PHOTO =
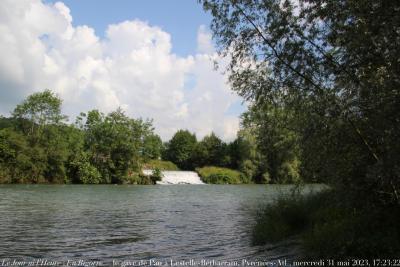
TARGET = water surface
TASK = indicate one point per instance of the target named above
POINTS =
(110, 222)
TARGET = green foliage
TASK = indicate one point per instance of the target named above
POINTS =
(37, 111)
(152, 147)
(180, 149)
(6, 122)
(218, 175)
(248, 168)
(246, 156)
(282, 219)
(56, 147)
(36, 147)
(326, 222)
(114, 143)
(289, 172)
(83, 172)
(242, 154)
(360, 233)
(332, 71)
(37, 123)
(15, 160)
(156, 175)
(209, 151)
(277, 140)
(288, 215)
(161, 165)
(143, 180)
(265, 178)
(36, 140)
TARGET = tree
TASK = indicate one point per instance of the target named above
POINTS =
(210, 151)
(215, 149)
(13, 159)
(277, 140)
(246, 156)
(82, 171)
(39, 119)
(334, 65)
(152, 147)
(115, 143)
(36, 146)
(38, 111)
(180, 149)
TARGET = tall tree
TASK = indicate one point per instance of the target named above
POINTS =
(277, 139)
(38, 111)
(152, 147)
(39, 118)
(334, 61)
(115, 143)
(210, 151)
(180, 149)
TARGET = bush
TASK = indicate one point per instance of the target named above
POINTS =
(287, 216)
(329, 226)
(248, 168)
(341, 232)
(139, 179)
(162, 165)
(84, 172)
(289, 172)
(156, 175)
(217, 175)
(265, 178)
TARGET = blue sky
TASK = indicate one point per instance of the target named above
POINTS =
(152, 58)
(180, 18)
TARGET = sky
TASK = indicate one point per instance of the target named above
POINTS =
(154, 59)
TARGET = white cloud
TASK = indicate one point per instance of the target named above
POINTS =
(132, 67)
(204, 44)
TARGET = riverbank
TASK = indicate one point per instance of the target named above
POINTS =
(330, 225)
(218, 175)
(153, 171)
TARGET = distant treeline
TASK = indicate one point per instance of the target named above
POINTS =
(38, 146)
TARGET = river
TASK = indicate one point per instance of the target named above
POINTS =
(127, 222)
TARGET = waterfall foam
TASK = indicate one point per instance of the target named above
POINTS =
(177, 177)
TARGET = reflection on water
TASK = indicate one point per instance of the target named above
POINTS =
(110, 222)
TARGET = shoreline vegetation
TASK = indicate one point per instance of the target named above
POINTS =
(37, 145)
(328, 224)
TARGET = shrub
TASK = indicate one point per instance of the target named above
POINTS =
(248, 168)
(83, 171)
(217, 175)
(285, 217)
(139, 179)
(329, 226)
(289, 172)
(265, 178)
(156, 175)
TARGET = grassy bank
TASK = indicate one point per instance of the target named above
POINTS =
(218, 175)
(161, 165)
(329, 225)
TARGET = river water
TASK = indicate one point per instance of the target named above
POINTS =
(126, 222)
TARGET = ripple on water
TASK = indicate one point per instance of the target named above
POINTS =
(141, 222)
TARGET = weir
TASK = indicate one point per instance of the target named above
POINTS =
(177, 177)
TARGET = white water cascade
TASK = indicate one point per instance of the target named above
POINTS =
(177, 177)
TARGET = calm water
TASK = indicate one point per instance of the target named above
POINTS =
(108, 222)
